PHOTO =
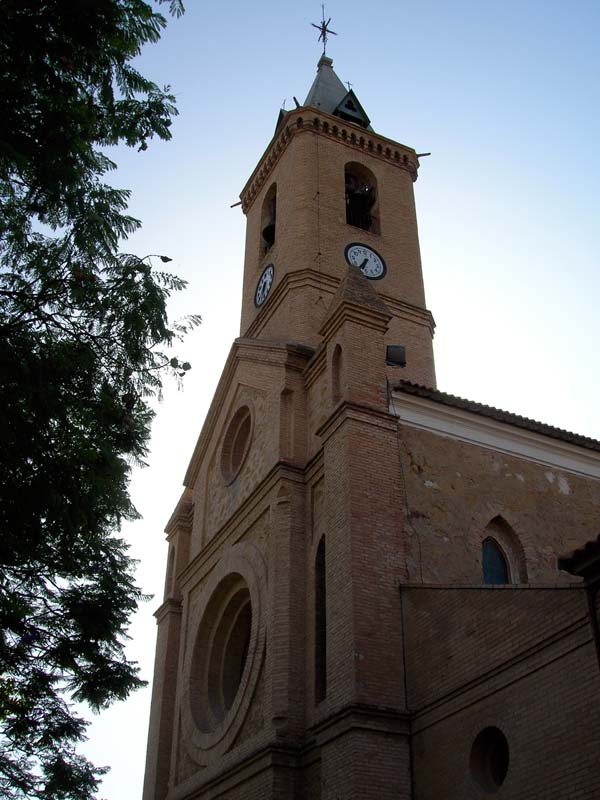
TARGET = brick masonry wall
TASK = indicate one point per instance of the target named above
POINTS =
(454, 490)
(455, 636)
(366, 765)
(551, 720)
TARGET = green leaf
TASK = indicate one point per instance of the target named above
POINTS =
(83, 331)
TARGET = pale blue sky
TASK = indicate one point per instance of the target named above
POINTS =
(504, 95)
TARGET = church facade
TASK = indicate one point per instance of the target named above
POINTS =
(364, 593)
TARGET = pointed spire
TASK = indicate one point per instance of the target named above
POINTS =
(329, 94)
(327, 91)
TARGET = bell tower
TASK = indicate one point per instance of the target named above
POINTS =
(328, 192)
(279, 663)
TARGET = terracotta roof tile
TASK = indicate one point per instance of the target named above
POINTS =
(497, 414)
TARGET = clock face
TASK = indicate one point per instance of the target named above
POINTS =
(369, 262)
(263, 287)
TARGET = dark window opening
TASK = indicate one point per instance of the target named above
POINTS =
(320, 625)
(269, 220)
(495, 568)
(490, 759)
(349, 117)
(350, 109)
(235, 656)
(361, 198)
(336, 376)
(236, 444)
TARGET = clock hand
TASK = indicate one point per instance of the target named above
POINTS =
(360, 266)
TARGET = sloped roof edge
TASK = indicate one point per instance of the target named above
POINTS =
(497, 414)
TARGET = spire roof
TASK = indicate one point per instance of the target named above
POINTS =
(327, 91)
(329, 94)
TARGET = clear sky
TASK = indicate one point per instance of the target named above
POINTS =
(505, 95)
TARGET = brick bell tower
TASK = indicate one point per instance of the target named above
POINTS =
(279, 666)
(327, 193)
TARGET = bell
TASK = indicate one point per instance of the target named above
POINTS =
(268, 234)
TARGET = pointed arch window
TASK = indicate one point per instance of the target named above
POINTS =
(495, 565)
(361, 197)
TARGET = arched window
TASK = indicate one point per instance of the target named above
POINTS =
(320, 624)
(269, 219)
(495, 566)
(361, 197)
(508, 552)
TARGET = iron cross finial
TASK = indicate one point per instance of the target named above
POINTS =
(324, 29)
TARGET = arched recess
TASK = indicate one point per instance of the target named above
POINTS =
(337, 374)
(361, 197)
(286, 426)
(500, 541)
(223, 665)
(320, 624)
(268, 220)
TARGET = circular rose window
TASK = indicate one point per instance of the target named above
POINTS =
(223, 666)
(220, 653)
(236, 443)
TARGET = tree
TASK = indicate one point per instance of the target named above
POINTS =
(83, 332)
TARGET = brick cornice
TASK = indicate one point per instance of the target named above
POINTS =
(369, 415)
(410, 312)
(327, 284)
(354, 312)
(182, 517)
(170, 606)
(363, 717)
(315, 121)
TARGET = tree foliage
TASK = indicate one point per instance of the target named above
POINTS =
(83, 335)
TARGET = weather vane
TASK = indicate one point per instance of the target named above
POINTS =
(323, 28)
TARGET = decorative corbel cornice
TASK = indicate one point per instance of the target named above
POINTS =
(311, 120)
